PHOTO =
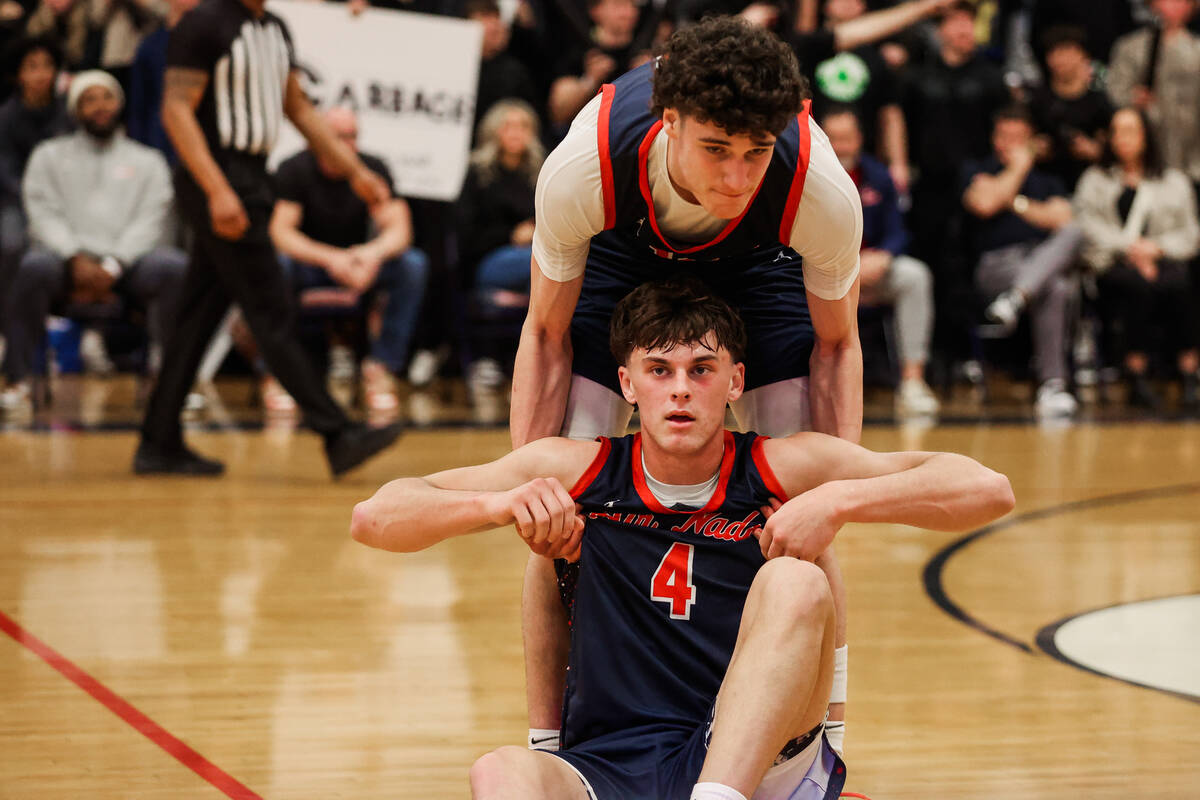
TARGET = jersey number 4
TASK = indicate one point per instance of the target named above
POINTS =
(672, 581)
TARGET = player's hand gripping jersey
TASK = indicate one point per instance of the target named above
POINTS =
(655, 618)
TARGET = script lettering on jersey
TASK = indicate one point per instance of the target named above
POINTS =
(711, 524)
(719, 527)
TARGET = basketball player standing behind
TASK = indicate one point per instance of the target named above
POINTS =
(704, 162)
(230, 80)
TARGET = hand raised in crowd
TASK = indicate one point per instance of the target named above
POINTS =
(597, 66)
(760, 15)
(369, 187)
(522, 234)
(90, 282)
(803, 528)
(1086, 147)
(545, 516)
(228, 215)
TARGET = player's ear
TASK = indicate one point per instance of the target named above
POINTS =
(626, 385)
(737, 382)
(671, 122)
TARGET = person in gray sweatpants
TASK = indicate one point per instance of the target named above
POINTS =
(1027, 243)
(98, 206)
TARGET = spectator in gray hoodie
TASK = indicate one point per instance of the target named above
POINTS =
(98, 206)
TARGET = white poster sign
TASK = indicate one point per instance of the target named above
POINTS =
(410, 77)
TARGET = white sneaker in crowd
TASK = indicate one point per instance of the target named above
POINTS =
(485, 375)
(1053, 399)
(17, 398)
(1006, 310)
(342, 366)
(94, 354)
(424, 366)
(914, 398)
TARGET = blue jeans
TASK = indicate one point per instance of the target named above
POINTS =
(403, 278)
(505, 267)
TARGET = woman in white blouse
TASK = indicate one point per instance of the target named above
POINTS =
(1141, 228)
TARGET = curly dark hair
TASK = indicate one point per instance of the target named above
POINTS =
(680, 310)
(725, 71)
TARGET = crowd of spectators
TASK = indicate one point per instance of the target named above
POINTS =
(1017, 160)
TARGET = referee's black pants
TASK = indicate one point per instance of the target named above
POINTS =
(245, 272)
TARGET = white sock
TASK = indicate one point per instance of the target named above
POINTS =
(543, 739)
(835, 732)
(716, 791)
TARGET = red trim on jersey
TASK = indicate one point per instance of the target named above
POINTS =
(585, 480)
(764, 469)
(644, 183)
(607, 92)
(804, 150)
(651, 502)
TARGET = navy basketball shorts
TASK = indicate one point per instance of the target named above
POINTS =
(664, 763)
(766, 287)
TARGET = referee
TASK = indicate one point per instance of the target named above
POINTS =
(230, 79)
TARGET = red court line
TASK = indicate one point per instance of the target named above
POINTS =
(121, 707)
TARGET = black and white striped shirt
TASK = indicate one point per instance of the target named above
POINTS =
(247, 60)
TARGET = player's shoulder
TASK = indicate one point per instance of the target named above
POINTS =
(795, 460)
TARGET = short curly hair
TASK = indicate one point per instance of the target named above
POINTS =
(725, 71)
(678, 310)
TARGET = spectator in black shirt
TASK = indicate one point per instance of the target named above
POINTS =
(222, 133)
(28, 118)
(1070, 113)
(501, 74)
(323, 232)
(1025, 242)
(612, 52)
(948, 103)
(860, 79)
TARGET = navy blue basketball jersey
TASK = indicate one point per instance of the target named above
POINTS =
(660, 592)
(626, 130)
(749, 263)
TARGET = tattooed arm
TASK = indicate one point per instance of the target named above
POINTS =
(183, 89)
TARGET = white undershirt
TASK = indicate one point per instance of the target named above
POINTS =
(570, 209)
(673, 496)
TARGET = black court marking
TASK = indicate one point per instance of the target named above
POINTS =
(1045, 641)
(932, 574)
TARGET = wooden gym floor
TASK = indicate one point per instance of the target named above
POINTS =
(172, 638)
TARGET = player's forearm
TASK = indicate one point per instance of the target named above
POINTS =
(945, 492)
(410, 514)
(835, 388)
(546, 638)
(187, 138)
(541, 382)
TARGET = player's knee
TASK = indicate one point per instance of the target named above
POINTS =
(493, 772)
(795, 590)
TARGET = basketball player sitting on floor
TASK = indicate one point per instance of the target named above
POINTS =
(701, 654)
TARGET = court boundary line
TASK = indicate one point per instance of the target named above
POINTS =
(1045, 641)
(934, 569)
(125, 710)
